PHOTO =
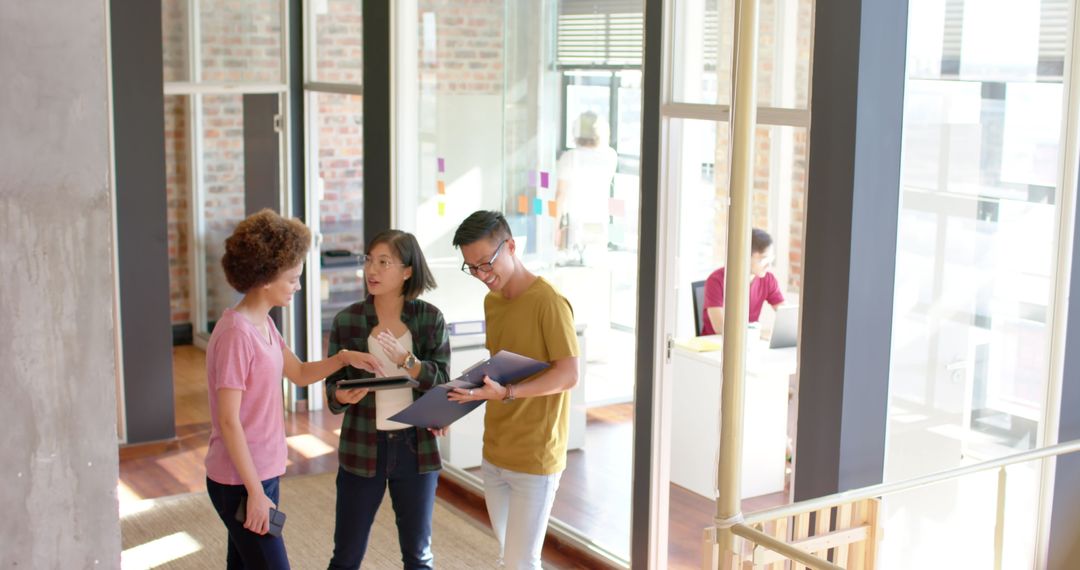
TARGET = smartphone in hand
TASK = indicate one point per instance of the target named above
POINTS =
(277, 518)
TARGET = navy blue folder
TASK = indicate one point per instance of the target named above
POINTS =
(435, 410)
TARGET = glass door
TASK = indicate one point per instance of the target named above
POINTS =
(695, 196)
(334, 151)
(539, 118)
(214, 53)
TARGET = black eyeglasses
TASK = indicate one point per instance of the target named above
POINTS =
(382, 263)
(485, 267)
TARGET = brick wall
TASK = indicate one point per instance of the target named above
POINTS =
(764, 138)
(468, 45)
(241, 43)
(179, 207)
(223, 187)
(241, 40)
(174, 39)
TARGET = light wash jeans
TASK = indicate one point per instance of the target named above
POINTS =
(519, 505)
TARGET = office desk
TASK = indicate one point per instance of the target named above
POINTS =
(463, 446)
(695, 422)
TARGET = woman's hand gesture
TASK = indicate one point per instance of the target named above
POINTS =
(363, 361)
(392, 346)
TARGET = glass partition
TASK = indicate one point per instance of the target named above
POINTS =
(515, 116)
(702, 47)
(240, 41)
(222, 136)
(338, 42)
(975, 270)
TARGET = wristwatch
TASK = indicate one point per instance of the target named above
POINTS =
(410, 361)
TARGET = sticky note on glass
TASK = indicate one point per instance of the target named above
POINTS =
(441, 186)
(543, 179)
(553, 208)
(442, 208)
(617, 207)
(532, 179)
(538, 207)
(523, 204)
(442, 165)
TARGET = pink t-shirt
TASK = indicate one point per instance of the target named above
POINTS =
(240, 357)
(762, 289)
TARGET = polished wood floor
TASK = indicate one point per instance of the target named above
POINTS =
(593, 496)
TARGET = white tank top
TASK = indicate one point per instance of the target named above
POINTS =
(390, 402)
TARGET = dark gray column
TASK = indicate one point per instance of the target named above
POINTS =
(141, 217)
(262, 154)
(642, 515)
(1064, 524)
(377, 109)
(262, 163)
(851, 223)
(297, 182)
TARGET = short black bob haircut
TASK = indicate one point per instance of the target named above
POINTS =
(482, 224)
(760, 240)
(405, 246)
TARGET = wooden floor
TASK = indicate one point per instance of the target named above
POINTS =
(593, 497)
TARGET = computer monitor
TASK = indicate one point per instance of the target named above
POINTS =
(785, 330)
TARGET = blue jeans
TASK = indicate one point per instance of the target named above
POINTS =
(411, 493)
(247, 550)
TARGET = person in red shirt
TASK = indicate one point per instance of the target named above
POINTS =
(763, 286)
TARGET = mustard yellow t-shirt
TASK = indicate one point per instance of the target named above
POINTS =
(529, 435)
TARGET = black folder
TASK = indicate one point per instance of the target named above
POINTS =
(435, 410)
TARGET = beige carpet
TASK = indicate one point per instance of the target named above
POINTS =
(153, 532)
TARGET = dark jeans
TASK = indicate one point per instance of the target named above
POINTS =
(411, 493)
(247, 550)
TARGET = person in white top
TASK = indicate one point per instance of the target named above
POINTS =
(584, 191)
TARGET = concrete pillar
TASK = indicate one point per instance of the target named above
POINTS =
(58, 339)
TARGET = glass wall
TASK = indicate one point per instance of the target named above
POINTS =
(975, 271)
(534, 109)
(696, 190)
(214, 52)
(334, 67)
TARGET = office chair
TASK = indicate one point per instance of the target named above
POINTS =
(698, 290)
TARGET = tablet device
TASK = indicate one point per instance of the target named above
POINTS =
(383, 383)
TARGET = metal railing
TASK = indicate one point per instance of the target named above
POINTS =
(755, 536)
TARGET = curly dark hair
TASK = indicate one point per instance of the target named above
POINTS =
(262, 246)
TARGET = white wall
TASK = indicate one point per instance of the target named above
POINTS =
(59, 465)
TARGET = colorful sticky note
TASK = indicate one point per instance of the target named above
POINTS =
(532, 179)
(442, 164)
(442, 208)
(543, 179)
(523, 204)
(553, 208)
(538, 206)
(441, 186)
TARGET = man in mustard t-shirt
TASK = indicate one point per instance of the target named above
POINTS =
(526, 427)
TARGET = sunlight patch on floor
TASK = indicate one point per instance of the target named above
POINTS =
(308, 445)
(158, 552)
(130, 501)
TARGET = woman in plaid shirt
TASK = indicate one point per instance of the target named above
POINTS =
(404, 334)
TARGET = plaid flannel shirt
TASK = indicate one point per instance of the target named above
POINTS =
(431, 345)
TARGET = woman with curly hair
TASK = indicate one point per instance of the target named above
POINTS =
(245, 360)
(377, 453)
